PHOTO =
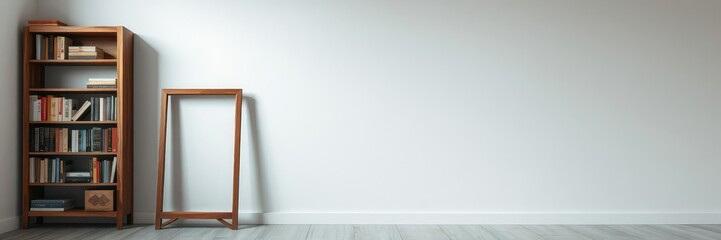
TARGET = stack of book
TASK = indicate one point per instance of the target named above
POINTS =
(78, 177)
(102, 83)
(53, 205)
(85, 52)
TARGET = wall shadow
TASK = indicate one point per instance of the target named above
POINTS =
(146, 119)
(256, 158)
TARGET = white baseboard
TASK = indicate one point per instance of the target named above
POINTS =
(9, 224)
(466, 218)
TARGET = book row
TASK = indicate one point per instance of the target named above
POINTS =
(56, 170)
(54, 108)
(51, 47)
(49, 139)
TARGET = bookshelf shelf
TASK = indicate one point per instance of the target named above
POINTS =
(74, 122)
(75, 212)
(96, 62)
(73, 184)
(73, 90)
(75, 31)
(45, 54)
(73, 153)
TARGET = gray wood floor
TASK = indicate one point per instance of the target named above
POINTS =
(375, 232)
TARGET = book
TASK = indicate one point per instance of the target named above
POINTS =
(77, 174)
(51, 203)
(50, 200)
(62, 44)
(113, 169)
(38, 46)
(81, 112)
(77, 179)
(52, 209)
(96, 79)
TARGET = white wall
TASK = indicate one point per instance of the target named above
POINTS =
(13, 15)
(557, 111)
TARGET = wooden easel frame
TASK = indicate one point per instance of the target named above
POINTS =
(174, 216)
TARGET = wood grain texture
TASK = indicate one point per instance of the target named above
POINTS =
(511, 232)
(556, 232)
(467, 232)
(376, 232)
(422, 232)
(161, 159)
(74, 62)
(601, 232)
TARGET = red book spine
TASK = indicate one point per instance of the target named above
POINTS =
(43, 108)
(115, 139)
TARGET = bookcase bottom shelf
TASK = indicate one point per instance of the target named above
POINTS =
(75, 212)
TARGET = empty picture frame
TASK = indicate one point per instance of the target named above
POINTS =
(175, 215)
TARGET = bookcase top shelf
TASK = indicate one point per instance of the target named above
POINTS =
(82, 31)
(73, 90)
(74, 122)
(93, 62)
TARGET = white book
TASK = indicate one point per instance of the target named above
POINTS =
(95, 79)
(33, 108)
(35, 115)
(102, 109)
(81, 111)
(66, 109)
(51, 209)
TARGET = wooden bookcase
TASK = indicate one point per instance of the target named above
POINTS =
(39, 78)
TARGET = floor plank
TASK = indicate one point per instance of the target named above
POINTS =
(645, 232)
(601, 232)
(688, 231)
(149, 232)
(556, 232)
(511, 232)
(422, 232)
(373, 232)
(330, 232)
(376, 232)
(467, 232)
(244, 232)
(709, 227)
(284, 232)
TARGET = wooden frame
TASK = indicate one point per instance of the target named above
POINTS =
(174, 216)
